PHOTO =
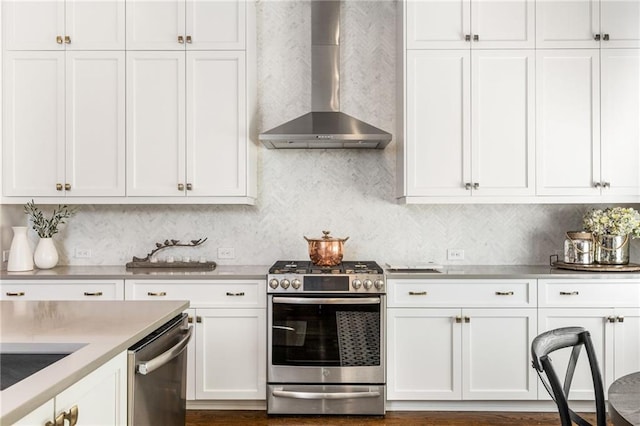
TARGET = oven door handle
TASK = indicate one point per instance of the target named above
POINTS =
(328, 300)
(147, 367)
(278, 392)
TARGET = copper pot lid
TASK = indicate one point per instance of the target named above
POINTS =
(326, 238)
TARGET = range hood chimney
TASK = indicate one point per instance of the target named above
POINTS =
(325, 126)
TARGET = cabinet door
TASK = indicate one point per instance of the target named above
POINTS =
(620, 109)
(567, 124)
(215, 25)
(231, 353)
(423, 354)
(216, 123)
(502, 117)
(95, 148)
(437, 24)
(33, 25)
(601, 330)
(620, 20)
(34, 119)
(97, 25)
(155, 123)
(567, 24)
(155, 24)
(627, 342)
(62, 290)
(101, 397)
(438, 123)
(502, 374)
(503, 24)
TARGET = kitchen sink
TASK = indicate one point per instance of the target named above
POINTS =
(20, 360)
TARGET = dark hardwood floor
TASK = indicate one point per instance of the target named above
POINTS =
(394, 418)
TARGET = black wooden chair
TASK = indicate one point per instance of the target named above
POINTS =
(575, 337)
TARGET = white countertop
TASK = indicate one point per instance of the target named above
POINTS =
(105, 330)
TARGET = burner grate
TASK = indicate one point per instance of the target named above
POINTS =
(358, 338)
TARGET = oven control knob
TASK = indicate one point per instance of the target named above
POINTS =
(379, 284)
(367, 284)
(356, 284)
(273, 283)
(285, 283)
(296, 283)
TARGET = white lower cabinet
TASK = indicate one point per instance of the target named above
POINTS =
(227, 356)
(99, 398)
(436, 352)
(610, 311)
(62, 290)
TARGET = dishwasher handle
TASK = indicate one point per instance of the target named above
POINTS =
(147, 367)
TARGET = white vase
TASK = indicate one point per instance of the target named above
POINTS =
(46, 255)
(21, 255)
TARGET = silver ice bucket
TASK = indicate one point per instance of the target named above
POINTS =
(579, 247)
(612, 249)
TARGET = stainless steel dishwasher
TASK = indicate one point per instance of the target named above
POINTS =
(157, 367)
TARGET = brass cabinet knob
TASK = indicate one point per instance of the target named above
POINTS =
(58, 187)
(605, 37)
(67, 187)
(180, 187)
(597, 184)
(467, 37)
(606, 184)
(476, 37)
(189, 187)
(458, 319)
(59, 421)
(188, 39)
(467, 186)
(611, 318)
(59, 39)
(476, 185)
(180, 39)
(67, 40)
(596, 37)
(620, 319)
(72, 416)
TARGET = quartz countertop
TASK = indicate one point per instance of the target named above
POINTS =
(509, 271)
(111, 272)
(105, 332)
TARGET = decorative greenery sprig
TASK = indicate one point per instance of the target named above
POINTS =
(613, 221)
(47, 228)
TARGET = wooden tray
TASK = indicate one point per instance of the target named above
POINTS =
(594, 267)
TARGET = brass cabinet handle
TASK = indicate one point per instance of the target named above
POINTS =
(72, 416)
(606, 184)
(58, 187)
(467, 320)
(59, 421)
(96, 293)
(611, 318)
(504, 293)
(190, 320)
(235, 294)
(188, 39)
(180, 39)
(605, 37)
(476, 185)
(417, 293)
(67, 40)
(596, 37)
(569, 293)
(198, 319)
(476, 37)
(180, 187)
(620, 319)
(67, 187)
(458, 319)
(160, 293)
(467, 37)
(189, 187)
(15, 293)
(59, 39)
(597, 184)
(467, 186)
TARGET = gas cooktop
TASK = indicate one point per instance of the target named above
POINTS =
(306, 267)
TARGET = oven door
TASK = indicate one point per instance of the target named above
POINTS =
(324, 339)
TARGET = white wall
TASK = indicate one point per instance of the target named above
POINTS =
(301, 193)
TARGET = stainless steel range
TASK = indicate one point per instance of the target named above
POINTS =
(326, 338)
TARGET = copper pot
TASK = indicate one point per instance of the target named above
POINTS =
(326, 251)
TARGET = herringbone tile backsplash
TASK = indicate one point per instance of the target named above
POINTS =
(304, 192)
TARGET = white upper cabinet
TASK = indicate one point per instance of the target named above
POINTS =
(190, 24)
(60, 25)
(469, 127)
(64, 124)
(567, 124)
(464, 24)
(587, 24)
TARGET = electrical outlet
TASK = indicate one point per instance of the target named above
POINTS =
(226, 253)
(455, 254)
(5, 255)
(83, 253)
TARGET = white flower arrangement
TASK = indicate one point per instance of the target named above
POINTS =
(613, 221)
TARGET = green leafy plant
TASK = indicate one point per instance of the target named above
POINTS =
(613, 221)
(47, 228)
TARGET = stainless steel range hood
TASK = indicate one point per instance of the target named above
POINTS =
(325, 126)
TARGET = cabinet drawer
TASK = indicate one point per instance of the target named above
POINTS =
(62, 290)
(581, 293)
(209, 293)
(462, 293)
